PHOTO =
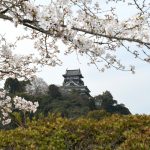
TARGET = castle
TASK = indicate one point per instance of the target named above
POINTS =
(73, 82)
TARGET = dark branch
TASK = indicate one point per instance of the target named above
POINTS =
(138, 6)
(34, 25)
(4, 11)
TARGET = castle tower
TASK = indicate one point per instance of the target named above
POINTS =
(73, 81)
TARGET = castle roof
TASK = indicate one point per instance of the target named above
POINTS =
(76, 72)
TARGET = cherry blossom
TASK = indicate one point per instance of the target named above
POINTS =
(37, 87)
(8, 105)
(83, 27)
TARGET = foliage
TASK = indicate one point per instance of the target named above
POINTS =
(72, 106)
(12, 86)
(54, 133)
(53, 91)
(106, 102)
(98, 114)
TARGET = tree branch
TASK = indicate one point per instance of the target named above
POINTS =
(138, 6)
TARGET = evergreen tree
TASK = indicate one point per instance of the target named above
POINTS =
(53, 91)
(107, 103)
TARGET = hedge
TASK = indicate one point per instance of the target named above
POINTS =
(115, 132)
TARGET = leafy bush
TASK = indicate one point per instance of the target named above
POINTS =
(56, 133)
(98, 114)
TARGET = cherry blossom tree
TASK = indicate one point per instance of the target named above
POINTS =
(82, 25)
(37, 87)
(8, 105)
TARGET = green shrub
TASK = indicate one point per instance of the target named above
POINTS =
(98, 114)
(55, 133)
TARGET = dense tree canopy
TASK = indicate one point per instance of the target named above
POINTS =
(54, 91)
(105, 101)
(84, 26)
(14, 85)
(73, 105)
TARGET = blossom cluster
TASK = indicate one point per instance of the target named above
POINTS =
(37, 86)
(5, 108)
(8, 105)
(14, 65)
(83, 26)
(24, 105)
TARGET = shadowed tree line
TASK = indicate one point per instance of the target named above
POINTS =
(72, 105)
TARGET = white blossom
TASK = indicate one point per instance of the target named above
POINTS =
(82, 25)
(8, 105)
(38, 86)
(24, 105)
(6, 121)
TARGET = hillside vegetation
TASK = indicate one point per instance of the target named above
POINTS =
(52, 100)
(73, 122)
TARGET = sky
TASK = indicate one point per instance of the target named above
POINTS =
(127, 88)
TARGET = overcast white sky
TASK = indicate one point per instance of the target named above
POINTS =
(132, 90)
